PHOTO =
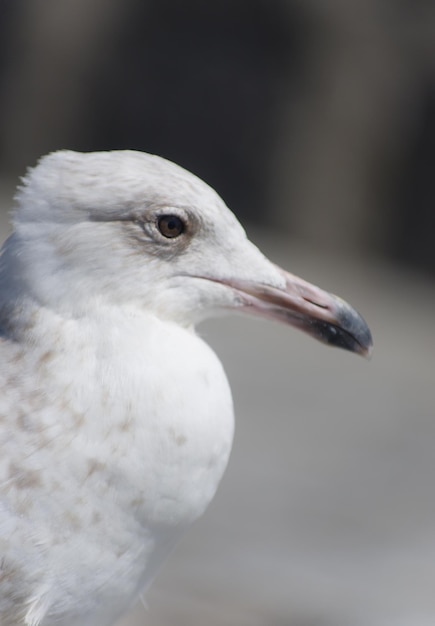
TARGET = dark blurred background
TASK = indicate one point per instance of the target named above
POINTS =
(314, 117)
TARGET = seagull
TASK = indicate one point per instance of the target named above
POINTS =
(116, 418)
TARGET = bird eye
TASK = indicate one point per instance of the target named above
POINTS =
(170, 226)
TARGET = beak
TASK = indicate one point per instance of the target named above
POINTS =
(322, 315)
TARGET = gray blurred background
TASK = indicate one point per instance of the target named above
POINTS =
(315, 121)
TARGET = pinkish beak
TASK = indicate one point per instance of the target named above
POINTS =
(322, 315)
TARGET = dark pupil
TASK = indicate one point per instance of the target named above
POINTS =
(170, 226)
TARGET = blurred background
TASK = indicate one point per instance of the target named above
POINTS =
(316, 123)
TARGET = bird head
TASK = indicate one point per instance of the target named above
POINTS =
(128, 228)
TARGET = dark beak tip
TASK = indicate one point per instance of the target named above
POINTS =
(366, 350)
(357, 334)
(349, 331)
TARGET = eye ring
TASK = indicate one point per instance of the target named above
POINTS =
(170, 226)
